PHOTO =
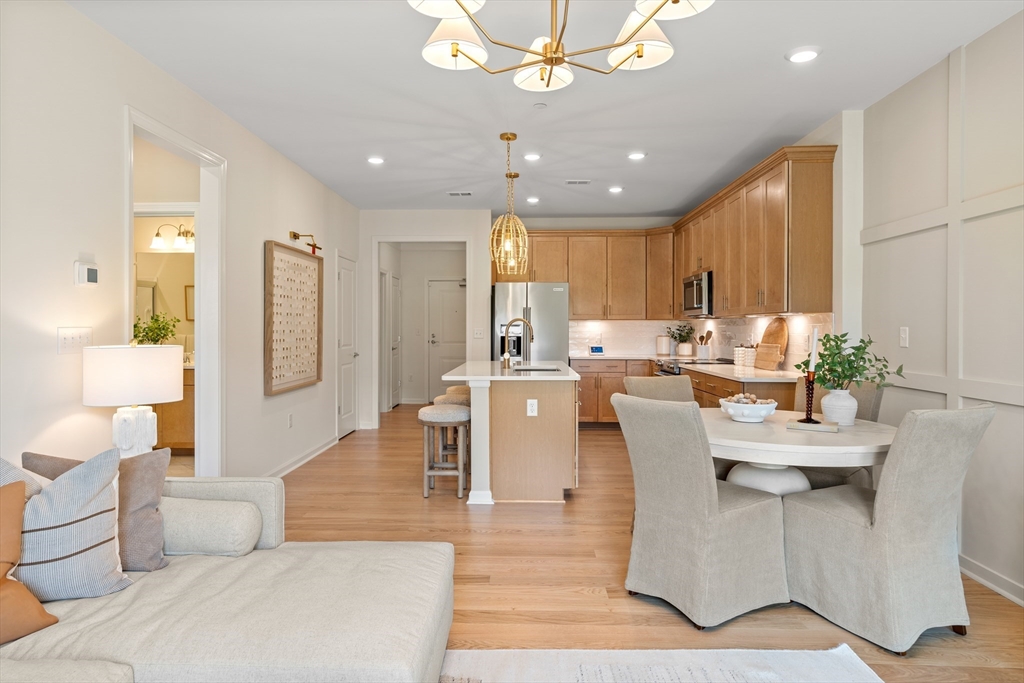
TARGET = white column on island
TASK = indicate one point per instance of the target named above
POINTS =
(480, 444)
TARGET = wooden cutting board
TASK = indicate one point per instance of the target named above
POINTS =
(777, 332)
(768, 357)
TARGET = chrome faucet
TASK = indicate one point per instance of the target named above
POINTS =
(506, 361)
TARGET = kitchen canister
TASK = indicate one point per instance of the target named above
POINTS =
(663, 345)
(739, 355)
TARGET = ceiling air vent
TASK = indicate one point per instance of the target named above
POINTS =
(460, 194)
(577, 182)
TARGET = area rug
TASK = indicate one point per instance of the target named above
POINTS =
(839, 665)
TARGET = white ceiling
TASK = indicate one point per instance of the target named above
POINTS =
(329, 83)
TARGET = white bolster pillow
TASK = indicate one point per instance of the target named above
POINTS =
(210, 527)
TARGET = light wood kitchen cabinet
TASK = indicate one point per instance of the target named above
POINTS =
(549, 258)
(588, 277)
(608, 384)
(680, 268)
(627, 278)
(771, 251)
(638, 368)
(707, 389)
(548, 261)
(660, 276)
(587, 396)
(599, 379)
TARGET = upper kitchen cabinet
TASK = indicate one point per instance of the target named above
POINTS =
(607, 277)
(588, 277)
(767, 236)
(627, 277)
(548, 260)
(660, 276)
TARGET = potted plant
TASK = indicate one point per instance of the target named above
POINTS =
(682, 334)
(156, 330)
(838, 366)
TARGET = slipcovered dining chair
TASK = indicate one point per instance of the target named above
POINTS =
(677, 388)
(884, 564)
(712, 549)
(869, 402)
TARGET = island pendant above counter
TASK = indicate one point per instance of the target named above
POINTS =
(518, 457)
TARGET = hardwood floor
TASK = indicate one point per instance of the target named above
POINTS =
(551, 576)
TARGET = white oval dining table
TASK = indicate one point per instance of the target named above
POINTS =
(768, 452)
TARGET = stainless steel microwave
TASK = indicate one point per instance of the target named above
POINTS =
(697, 295)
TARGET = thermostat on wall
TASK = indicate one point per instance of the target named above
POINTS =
(596, 350)
(86, 274)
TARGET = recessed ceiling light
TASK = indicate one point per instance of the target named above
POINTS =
(376, 160)
(532, 200)
(637, 156)
(532, 156)
(615, 190)
(803, 54)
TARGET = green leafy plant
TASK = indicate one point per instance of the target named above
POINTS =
(681, 333)
(840, 365)
(157, 330)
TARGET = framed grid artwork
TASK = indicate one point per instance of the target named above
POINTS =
(293, 318)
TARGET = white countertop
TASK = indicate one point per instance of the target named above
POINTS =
(492, 370)
(725, 371)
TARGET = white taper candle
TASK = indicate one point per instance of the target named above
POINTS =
(814, 350)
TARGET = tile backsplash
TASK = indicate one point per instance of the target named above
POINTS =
(637, 337)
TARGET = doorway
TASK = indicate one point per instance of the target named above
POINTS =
(205, 297)
(446, 325)
(390, 335)
(347, 354)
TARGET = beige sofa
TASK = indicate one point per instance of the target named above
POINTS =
(345, 611)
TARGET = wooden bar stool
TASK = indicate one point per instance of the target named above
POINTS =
(444, 416)
(449, 435)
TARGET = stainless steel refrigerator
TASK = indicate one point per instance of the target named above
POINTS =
(546, 306)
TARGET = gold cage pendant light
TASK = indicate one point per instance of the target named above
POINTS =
(508, 234)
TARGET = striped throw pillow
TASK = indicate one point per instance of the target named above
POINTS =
(69, 535)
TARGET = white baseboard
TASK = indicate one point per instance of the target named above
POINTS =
(302, 459)
(414, 401)
(989, 578)
(480, 498)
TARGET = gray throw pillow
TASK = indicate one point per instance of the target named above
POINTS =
(68, 538)
(140, 526)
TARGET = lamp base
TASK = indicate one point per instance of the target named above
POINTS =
(134, 430)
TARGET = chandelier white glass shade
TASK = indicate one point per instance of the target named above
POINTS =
(508, 234)
(648, 47)
(673, 10)
(440, 49)
(446, 9)
(540, 77)
(547, 65)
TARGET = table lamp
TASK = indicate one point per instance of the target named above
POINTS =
(115, 376)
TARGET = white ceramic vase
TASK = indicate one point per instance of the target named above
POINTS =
(684, 349)
(840, 407)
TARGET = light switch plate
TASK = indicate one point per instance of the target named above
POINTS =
(478, 333)
(531, 407)
(73, 339)
(904, 337)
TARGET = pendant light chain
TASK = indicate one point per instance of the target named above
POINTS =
(508, 176)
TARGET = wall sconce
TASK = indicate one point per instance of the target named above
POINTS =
(158, 239)
(183, 240)
(312, 244)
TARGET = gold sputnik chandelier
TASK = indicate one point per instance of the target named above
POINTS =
(508, 234)
(641, 44)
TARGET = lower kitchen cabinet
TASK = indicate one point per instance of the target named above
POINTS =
(599, 380)
(707, 389)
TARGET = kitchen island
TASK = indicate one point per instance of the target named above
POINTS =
(516, 457)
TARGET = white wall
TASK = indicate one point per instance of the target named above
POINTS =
(471, 227)
(846, 131)
(161, 176)
(422, 262)
(944, 255)
(64, 87)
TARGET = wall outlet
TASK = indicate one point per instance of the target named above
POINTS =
(904, 337)
(478, 333)
(807, 343)
(291, 421)
(531, 407)
(73, 339)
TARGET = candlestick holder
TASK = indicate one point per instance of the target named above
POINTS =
(809, 387)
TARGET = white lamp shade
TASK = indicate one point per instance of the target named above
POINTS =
(131, 375)
(158, 242)
(438, 50)
(673, 10)
(529, 78)
(657, 49)
(445, 9)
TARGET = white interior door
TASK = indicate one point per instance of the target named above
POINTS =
(347, 354)
(446, 330)
(384, 383)
(396, 341)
